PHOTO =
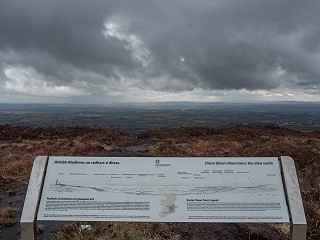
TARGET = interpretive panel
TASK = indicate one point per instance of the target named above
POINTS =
(155, 189)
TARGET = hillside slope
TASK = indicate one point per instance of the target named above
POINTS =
(20, 145)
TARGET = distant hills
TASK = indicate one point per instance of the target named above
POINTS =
(136, 117)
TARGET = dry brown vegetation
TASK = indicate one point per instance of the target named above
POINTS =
(7, 216)
(20, 145)
(117, 230)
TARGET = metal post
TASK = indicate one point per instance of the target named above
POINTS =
(30, 207)
(298, 223)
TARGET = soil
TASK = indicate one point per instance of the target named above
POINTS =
(20, 145)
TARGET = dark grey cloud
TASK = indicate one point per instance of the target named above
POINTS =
(66, 32)
(104, 46)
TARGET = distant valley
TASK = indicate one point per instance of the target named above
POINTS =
(133, 118)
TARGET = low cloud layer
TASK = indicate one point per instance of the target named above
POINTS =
(108, 48)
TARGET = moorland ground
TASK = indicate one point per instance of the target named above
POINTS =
(20, 145)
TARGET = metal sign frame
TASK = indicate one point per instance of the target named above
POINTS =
(292, 193)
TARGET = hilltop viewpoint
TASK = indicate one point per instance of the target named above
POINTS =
(19, 146)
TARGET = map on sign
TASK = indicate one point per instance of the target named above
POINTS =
(163, 189)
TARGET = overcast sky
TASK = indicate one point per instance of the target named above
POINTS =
(101, 51)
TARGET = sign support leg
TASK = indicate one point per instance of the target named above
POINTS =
(298, 222)
(30, 208)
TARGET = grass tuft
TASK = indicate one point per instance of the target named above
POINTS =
(7, 216)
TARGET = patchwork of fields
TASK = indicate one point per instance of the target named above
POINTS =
(136, 118)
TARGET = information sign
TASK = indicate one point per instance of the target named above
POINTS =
(155, 189)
